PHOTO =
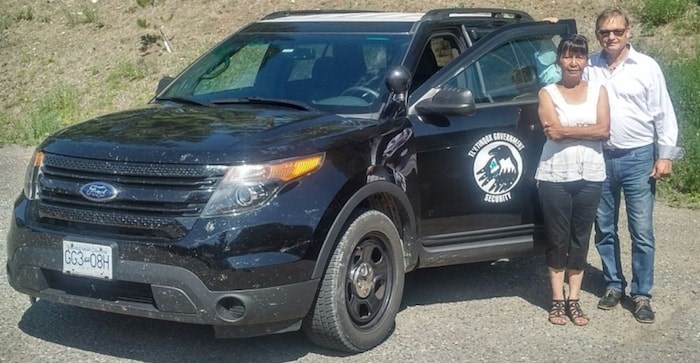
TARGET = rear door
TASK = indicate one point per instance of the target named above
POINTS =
(476, 172)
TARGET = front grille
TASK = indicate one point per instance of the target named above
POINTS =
(100, 289)
(155, 170)
(109, 222)
(153, 201)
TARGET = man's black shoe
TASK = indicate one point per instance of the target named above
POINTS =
(610, 299)
(642, 310)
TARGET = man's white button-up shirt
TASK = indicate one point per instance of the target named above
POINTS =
(640, 104)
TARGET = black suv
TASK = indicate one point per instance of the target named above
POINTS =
(292, 175)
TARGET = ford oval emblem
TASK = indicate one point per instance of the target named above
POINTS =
(98, 192)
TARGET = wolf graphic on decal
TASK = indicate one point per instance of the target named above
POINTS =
(498, 165)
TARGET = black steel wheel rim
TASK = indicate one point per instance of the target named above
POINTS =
(369, 281)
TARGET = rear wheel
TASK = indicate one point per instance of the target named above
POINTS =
(361, 291)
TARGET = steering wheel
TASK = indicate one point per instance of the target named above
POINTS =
(365, 93)
(216, 70)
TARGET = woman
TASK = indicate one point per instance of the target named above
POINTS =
(575, 115)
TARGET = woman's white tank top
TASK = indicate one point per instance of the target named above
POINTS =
(573, 159)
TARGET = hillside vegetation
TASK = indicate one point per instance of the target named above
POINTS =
(65, 61)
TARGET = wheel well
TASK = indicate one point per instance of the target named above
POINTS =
(391, 207)
(382, 196)
(388, 205)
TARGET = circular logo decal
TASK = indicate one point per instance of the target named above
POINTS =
(498, 165)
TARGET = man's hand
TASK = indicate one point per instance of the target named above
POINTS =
(662, 169)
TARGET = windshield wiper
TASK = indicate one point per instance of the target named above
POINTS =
(187, 100)
(297, 105)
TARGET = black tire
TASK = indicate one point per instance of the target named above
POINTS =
(361, 291)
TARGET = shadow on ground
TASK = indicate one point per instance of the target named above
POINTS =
(525, 277)
(149, 340)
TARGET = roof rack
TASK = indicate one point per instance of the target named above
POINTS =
(282, 14)
(509, 14)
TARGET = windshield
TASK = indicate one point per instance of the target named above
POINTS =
(332, 72)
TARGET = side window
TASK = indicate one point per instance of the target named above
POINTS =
(496, 69)
(512, 71)
(545, 59)
(440, 50)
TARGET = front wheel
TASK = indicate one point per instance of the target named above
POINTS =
(361, 291)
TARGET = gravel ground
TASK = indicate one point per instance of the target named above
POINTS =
(479, 312)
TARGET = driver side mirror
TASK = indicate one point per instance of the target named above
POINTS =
(446, 102)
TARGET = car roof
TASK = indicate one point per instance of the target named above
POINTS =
(372, 21)
(381, 16)
(350, 17)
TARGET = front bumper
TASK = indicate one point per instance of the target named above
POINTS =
(162, 292)
(183, 282)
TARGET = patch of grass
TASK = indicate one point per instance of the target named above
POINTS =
(6, 127)
(660, 12)
(684, 86)
(142, 23)
(127, 72)
(86, 15)
(144, 3)
(56, 109)
(5, 22)
(71, 19)
(690, 24)
(90, 16)
(25, 14)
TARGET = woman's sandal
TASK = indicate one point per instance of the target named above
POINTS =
(557, 313)
(573, 310)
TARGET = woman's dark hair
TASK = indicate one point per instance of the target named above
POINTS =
(575, 44)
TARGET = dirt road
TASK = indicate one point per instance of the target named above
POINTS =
(482, 312)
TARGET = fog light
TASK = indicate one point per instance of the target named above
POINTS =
(230, 308)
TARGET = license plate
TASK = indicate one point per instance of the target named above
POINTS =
(87, 259)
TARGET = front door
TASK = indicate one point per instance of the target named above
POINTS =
(476, 172)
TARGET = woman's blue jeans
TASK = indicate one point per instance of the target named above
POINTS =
(628, 171)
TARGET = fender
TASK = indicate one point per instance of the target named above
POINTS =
(363, 193)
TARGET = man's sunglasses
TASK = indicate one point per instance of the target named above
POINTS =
(617, 32)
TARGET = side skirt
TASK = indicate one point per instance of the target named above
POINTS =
(479, 246)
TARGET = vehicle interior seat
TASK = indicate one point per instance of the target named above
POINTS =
(333, 74)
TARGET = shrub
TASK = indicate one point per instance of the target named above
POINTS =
(690, 24)
(684, 86)
(659, 12)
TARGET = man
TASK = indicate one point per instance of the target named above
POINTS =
(642, 145)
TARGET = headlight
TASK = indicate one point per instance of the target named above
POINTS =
(31, 178)
(250, 186)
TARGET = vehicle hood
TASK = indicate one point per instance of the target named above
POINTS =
(206, 135)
